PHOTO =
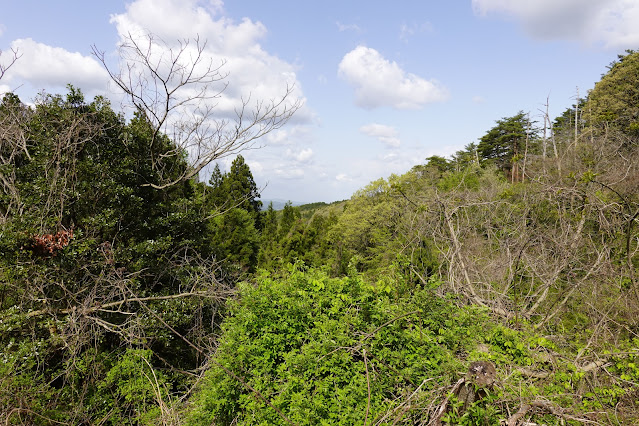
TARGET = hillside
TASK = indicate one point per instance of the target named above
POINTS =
(497, 286)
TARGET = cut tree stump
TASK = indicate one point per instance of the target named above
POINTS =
(473, 387)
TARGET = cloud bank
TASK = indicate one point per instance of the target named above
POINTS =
(45, 66)
(611, 23)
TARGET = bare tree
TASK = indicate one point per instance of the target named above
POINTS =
(177, 90)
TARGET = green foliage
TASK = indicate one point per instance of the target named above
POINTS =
(135, 386)
(98, 273)
(504, 144)
(614, 99)
(83, 172)
(307, 341)
(236, 239)
(233, 200)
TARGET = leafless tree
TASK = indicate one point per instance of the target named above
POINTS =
(177, 88)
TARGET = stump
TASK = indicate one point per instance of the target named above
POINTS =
(478, 381)
(473, 387)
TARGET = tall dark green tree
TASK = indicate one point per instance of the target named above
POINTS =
(235, 189)
(242, 189)
(216, 192)
(234, 199)
(505, 144)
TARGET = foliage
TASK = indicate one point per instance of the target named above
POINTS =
(614, 99)
(116, 270)
(505, 143)
(309, 343)
(94, 263)
(233, 200)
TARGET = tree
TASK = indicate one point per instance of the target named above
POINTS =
(290, 215)
(465, 157)
(242, 189)
(176, 90)
(439, 163)
(236, 239)
(95, 265)
(505, 143)
(216, 193)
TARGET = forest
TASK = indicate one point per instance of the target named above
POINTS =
(498, 286)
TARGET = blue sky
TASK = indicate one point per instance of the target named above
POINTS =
(384, 84)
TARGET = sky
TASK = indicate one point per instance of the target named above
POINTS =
(383, 85)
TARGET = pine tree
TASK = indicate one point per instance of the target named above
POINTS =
(504, 144)
(242, 190)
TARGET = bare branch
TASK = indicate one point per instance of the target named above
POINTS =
(177, 89)
(15, 55)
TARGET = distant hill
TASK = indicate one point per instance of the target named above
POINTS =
(278, 203)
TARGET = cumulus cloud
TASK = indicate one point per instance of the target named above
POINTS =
(256, 167)
(46, 66)
(253, 73)
(386, 134)
(612, 23)
(378, 82)
(290, 135)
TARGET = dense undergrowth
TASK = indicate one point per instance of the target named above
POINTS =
(124, 303)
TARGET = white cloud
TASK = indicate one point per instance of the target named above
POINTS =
(612, 23)
(2, 29)
(343, 177)
(291, 135)
(379, 82)
(289, 173)
(45, 66)
(256, 167)
(478, 100)
(386, 134)
(407, 31)
(302, 156)
(252, 72)
(348, 27)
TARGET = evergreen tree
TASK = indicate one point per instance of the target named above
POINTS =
(504, 144)
(235, 189)
(243, 190)
(236, 239)
(290, 215)
(102, 262)
(216, 194)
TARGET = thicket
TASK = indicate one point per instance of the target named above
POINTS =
(131, 293)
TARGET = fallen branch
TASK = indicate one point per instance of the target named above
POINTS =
(549, 407)
(90, 310)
